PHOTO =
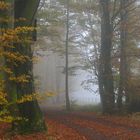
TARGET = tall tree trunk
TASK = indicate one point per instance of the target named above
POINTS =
(105, 69)
(68, 108)
(29, 110)
(123, 59)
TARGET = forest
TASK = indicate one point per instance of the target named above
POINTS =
(69, 69)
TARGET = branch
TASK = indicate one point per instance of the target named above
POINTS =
(120, 9)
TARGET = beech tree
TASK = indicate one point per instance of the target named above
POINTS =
(68, 108)
(29, 110)
(106, 87)
(123, 46)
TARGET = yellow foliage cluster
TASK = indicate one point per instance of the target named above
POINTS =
(6, 118)
(23, 29)
(15, 57)
(4, 5)
(9, 19)
(3, 99)
(6, 70)
(34, 96)
(4, 113)
(20, 79)
(17, 35)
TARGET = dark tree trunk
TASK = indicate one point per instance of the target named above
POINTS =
(68, 108)
(105, 68)
(123, 59)
(29, 110)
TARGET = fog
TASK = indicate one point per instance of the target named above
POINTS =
(50, 77)
(50, 70)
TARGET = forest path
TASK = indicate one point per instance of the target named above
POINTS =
(97, 127)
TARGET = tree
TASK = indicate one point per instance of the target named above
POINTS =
(67, 43)
(106, 88)
(108, 60)
(20, 84)
(29, 110)
(131, 52)
(127, 45)
(123, 45)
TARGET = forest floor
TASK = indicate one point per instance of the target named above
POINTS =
(82, 126)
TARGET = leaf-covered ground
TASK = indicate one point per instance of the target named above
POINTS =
(81, 126)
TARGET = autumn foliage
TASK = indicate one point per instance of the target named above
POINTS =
(82, 126)
(10, 59)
